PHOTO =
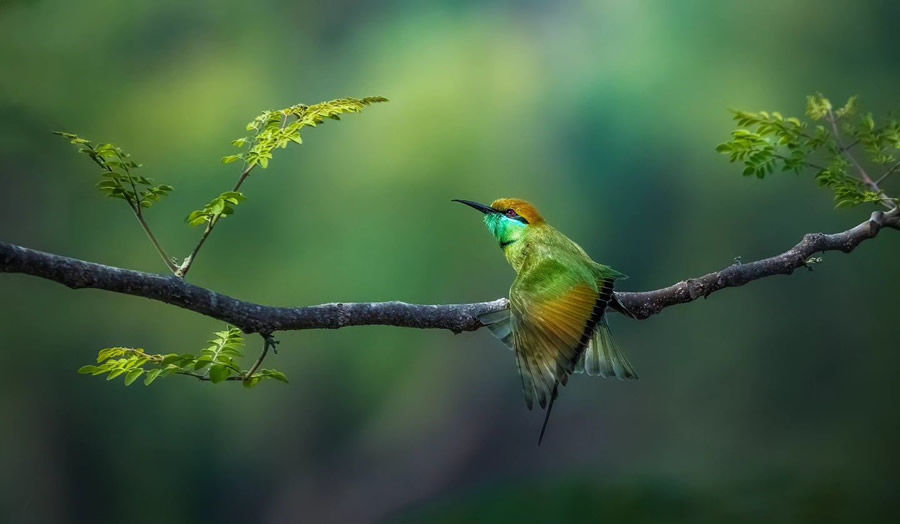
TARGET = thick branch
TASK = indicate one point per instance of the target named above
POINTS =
(256, 318)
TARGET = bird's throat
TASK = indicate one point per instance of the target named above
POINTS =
(505, 230)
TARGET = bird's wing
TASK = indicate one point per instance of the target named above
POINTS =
(553, 312)
(602, 357)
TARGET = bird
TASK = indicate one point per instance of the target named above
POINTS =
(556, 321)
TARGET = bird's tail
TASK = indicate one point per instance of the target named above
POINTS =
(603, 357)
(547, 414)
(498, 323)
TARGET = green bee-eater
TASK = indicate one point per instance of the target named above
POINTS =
(556, 322)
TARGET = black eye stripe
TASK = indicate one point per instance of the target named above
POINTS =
(511, 213)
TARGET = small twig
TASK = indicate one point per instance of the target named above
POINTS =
(888, 173)
(808, 164)
(851, 145)
(136, 209)
(185, 266)
(269, 340)
(204, 377)
(182, 270)
(232, 368)
(887, 202)
(159, 249)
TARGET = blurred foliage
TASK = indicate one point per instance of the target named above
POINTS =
(602, 113)
(774, 141)
(583, 499)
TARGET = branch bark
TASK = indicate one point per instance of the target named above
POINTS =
(257, 318)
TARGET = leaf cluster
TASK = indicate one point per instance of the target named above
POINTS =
(273, 130)
(766, 142)
(117, 179)
(217, 362)
(276, 129)
(219, 207)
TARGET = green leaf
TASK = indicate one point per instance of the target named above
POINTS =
(817, 106)
(202, 361)
(87, 370)
(251, 382)
(151, 376)
(133, 375)
(116, 167)
(848, 109)
(275, 374)
(108, 353)
(218, 206)
(231, 158)
(218, 373)
(196, 218)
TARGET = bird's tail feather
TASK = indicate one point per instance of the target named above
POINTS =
(547, 414)
(498, 323)
(603, 357)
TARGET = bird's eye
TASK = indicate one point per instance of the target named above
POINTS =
(511, 213)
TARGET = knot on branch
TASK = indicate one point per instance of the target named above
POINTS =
(813, 241)
(696, 289)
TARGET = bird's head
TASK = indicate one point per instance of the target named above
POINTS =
(507, 218)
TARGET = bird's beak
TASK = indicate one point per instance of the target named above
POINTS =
(480, 207)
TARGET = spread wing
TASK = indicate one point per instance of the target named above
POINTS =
(553, 313)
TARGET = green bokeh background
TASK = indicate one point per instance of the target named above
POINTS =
(774, 402)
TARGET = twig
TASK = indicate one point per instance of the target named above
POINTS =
(808, 164)
(156, 244)
(885, 201)
(888, 173)
(206, 378)
(136, 209)
(181, 271)
(185, 266)
(268, 340)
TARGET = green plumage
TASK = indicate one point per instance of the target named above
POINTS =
(556, 323)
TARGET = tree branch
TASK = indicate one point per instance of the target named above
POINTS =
(256, 318)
